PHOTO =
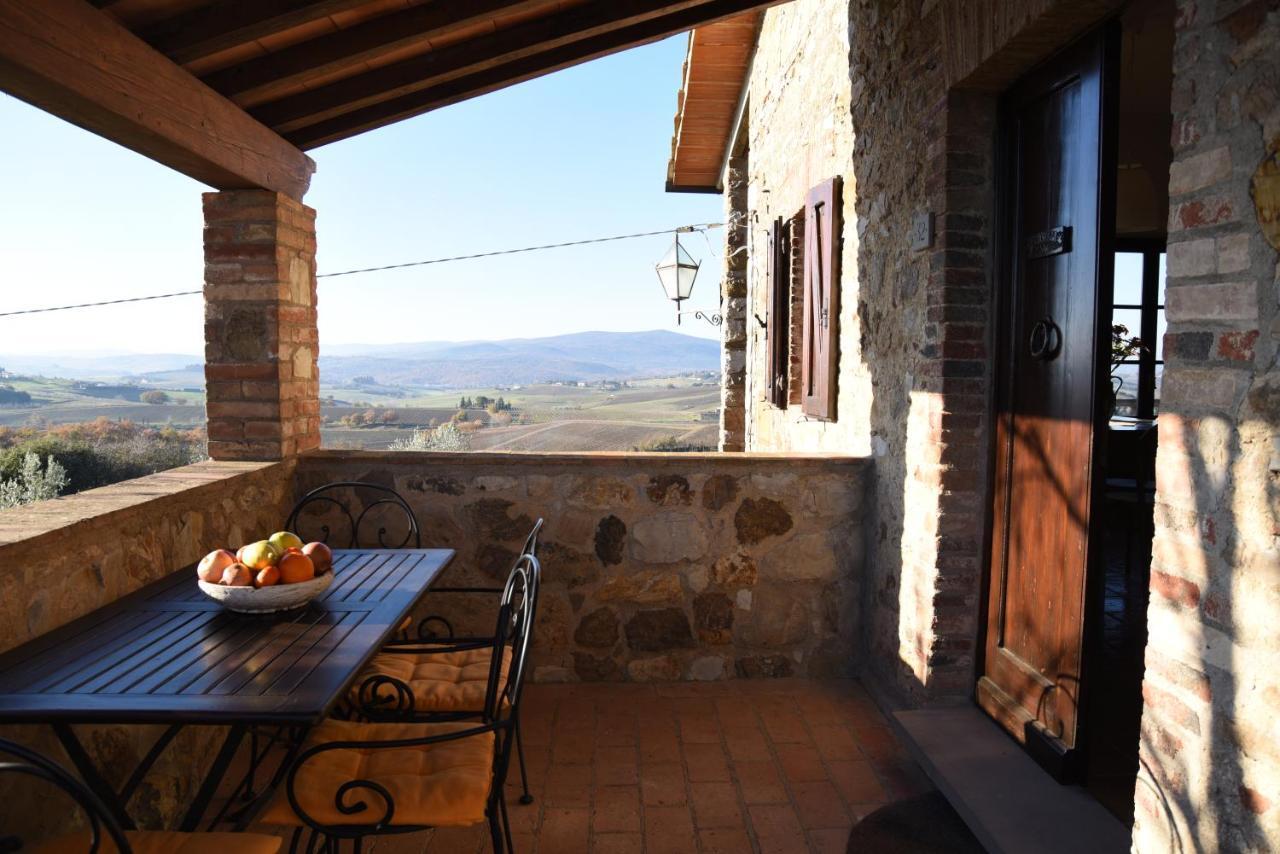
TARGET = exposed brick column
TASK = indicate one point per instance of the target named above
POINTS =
(733, 302)
(261, 343)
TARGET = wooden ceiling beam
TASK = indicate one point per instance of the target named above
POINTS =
(260, 78)
(76, 62)
(538, 37)
(228, 23)
(525, 68)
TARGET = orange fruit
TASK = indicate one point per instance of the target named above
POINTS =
(266, 577)
(237, 575)
(295, 568)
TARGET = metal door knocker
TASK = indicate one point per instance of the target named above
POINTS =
(1045, 340)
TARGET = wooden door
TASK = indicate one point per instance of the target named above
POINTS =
(1057, 208)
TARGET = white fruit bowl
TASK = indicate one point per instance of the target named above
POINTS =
(267, 600)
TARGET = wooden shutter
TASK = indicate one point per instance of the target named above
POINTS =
(821, 300)
(778, 321)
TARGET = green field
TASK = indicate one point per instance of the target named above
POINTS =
(546, 417)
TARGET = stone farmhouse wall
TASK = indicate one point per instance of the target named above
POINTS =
(1210, 771)
(656, 566)
(911, 127)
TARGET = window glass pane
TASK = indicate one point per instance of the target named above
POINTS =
(1160, 273)
(1159, 382)
(1131, 319)
(1124, 380)
(1128, 278)
(1160, 330)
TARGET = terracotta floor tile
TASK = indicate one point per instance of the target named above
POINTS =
(616, 766)
(617, 809)
(668, 830)
(565, 831)
(715, 805)
(663, 785)
(458, 840)
(857, 781)
(835, 742)
(819, 806)
(614, 843)
(746, 742)
(760, 782)
(829, 841)
(617, 730)
(776, 823)
(693, 707)
(568, 786)
(573, 748)
(879, 742)
(784, 726)
(724, 840)
(399, 843)
(903, 779)
(659, 746)
(700, 730)
(706, 762)
(800, 762)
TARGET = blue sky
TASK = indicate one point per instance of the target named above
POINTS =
(578, 154)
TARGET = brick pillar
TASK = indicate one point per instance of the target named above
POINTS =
(733, 301)
(261, 343)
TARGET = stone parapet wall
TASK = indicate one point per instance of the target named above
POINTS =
(656, 566)
(65, 558)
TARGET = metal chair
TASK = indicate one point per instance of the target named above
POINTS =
(354, 779)
(102, 827)
(434, 678)
(389, 497)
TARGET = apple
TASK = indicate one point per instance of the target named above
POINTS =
(260, 555)
(211, 565)
(321, 555)
(240, 553)
(284, 540)
(237, 575)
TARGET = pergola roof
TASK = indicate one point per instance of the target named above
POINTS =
(231, 91)
(715, 79)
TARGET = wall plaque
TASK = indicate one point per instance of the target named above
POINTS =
(1055, 241)
(921, 236)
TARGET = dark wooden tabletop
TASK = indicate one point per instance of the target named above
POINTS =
(169, 654)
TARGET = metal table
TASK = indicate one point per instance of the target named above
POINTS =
(167, 654)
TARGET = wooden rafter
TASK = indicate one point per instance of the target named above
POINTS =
(525, 68)
(78, 63)
(597, 29)
(260, 78)
(228, 23)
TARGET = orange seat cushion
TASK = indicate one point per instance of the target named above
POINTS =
(167, 842)
(440, 681)
(436, 785)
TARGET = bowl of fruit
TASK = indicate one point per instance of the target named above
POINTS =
(276, 574)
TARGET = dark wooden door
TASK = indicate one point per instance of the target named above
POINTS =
(1056, 199)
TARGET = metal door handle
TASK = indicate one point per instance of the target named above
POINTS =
(1045, 340)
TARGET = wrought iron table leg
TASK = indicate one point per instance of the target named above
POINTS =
(89, 773)
(216, 772)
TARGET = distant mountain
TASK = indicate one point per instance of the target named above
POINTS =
(448, 364)
(578, 356)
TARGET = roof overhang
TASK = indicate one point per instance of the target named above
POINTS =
(712, 100)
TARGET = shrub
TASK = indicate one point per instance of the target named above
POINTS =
(155, 398)
(671, 444)
(11, 396)
(446, 437)
(31, 484)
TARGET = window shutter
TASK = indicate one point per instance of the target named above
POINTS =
(821, 299)
(778, 322)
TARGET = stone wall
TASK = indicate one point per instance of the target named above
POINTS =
(1210, 770)
(733, 308)
(64, 558)
(657, 566)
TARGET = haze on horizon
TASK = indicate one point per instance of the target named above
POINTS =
(575, 155)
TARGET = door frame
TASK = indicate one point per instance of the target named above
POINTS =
(1066, 765)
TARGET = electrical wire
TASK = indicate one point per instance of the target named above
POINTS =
(683, 229)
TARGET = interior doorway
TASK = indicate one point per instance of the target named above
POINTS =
(1085, 145)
